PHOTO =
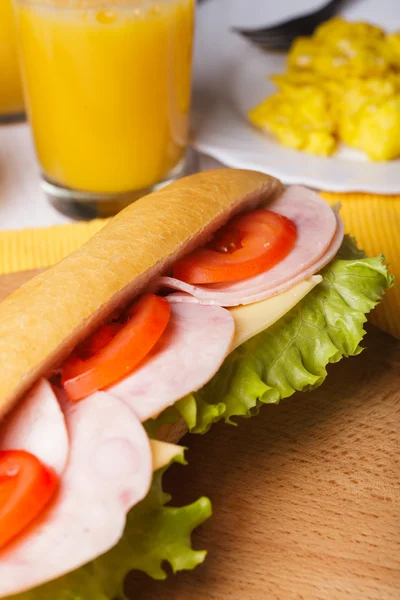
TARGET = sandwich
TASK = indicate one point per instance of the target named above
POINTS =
(201, 302)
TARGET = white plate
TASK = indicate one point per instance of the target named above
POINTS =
(231, 77)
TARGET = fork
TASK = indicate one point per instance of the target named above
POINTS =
(281, 36)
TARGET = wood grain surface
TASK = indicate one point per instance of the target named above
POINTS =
(306, 496)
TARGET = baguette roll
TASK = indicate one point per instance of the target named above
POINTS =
(46, 318)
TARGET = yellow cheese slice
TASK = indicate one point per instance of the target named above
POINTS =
(163, 453)
(254, 318)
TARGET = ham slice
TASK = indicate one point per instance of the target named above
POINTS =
(109, 471)
(319, 230)
(37, 425)
(258, 294)
(190, 352)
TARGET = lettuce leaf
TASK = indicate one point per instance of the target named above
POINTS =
(293, 354)
(169, 416)
(155, 532)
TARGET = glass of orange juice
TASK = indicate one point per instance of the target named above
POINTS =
(108, 92)
(11, 98)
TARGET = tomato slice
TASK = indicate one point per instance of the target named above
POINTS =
(98, 340)
(246, 246)
(115, 349)
(26, 488)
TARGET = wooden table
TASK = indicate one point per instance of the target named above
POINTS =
(306, 495)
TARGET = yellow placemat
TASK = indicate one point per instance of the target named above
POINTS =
(373, 220)
(27, 249)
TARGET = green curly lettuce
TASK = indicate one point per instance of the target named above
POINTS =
(292, 355)
(169, 416)
(155, 532)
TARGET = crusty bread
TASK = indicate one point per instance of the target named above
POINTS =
(41, 322)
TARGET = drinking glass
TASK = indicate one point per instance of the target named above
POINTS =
(107, 86)
(11, 97)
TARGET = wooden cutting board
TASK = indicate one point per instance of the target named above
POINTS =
(306, 496)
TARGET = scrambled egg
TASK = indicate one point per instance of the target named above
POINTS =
(343, 83)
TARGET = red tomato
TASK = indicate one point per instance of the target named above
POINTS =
(26, 488)
(246, 246)
(98, 340)
(115, 349)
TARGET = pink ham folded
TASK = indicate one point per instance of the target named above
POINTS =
(109, 471)
(200, 296)
(319, 236)
(37, 425)
(190, 352)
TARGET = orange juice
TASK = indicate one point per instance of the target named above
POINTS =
(11, 99)
(108, 89)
